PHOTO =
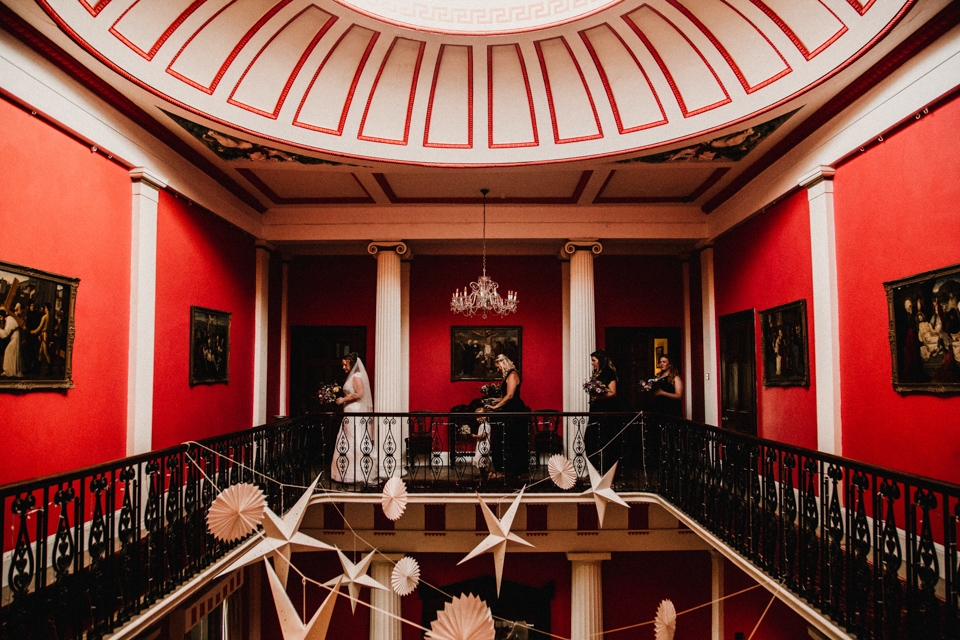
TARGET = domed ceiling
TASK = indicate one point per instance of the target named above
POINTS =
(600, 102)
(507, 82)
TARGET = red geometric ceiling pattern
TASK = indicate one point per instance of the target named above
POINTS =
(322, 76)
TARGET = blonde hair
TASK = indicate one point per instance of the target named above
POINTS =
(507, 364)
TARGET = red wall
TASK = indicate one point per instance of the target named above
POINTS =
(637, 291)
(336, 291)
(897, 208)
(763, 263)
(432, 282)
(747, 611)
(201, 261)
(66, 210)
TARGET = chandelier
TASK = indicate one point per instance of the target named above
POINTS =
(483, 297)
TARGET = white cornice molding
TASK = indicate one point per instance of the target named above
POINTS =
(149, 177)
(817, 175)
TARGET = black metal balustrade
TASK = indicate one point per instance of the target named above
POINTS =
(872, 549)
(95, 547)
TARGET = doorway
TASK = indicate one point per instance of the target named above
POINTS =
(315, 360)
(635, 351)
(738, 372)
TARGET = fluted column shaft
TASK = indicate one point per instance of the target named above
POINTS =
(388, 369)
(261, 321)
(586, 595)
(384, 605)
(583, 328)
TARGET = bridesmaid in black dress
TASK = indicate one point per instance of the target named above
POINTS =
(510, 452)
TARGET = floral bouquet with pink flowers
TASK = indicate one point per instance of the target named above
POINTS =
(594, 387)
(490, 390)
(328, 393)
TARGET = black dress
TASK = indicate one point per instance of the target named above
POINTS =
(662, 404)
(509, 448)
(603, 432)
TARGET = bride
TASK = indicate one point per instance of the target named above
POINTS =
(350, 465)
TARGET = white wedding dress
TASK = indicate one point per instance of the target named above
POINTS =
(356, 434)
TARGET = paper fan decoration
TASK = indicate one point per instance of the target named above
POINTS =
(465, 618)
(665, 624)
(561, 471)
(406, 576)
(394, 498)
(236, 512)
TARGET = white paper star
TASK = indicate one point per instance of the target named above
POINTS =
(355, 576)
(499, 535)
(602, 489)
(281, 537)
(290, 624)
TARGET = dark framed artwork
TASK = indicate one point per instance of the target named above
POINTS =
(36, 329)
(209, 346)
(784, 348)
(474, 349)
(925, 331)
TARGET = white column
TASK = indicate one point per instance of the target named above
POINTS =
(583, 328)
(711, 373)
(260, 342)
(388, 389)
(687, 341)
(384, 604)
(565, 302)
(826, 315)
(716, 593)
(284, 408)
(405, 334)
(143, 308)
(586, 595)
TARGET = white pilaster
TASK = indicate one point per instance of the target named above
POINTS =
(586, 595)
(565, 302)
(687, 341)
(711, 373)
(405, 334)
(384, 604)
(583, 327)
(143, 308)
(826, 315)
(716, 595)
(260, 338)
(284, 408)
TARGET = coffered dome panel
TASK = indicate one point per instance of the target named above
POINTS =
(449, 84)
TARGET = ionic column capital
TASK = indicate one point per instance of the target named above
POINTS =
(377, 246)
(572, 246)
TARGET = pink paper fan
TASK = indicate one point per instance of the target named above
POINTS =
(665, 624)
(394, 499)
(406, 576)
(465, 618)
(236, 512)
(561, 471)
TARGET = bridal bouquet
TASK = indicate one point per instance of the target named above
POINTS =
(490, 390)
(594, 387)
(328, 393)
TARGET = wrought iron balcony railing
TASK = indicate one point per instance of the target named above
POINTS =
(873, 549)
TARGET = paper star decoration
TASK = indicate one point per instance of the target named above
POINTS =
(290, 624)
(602, 489)
(281, 537)
(499, 535)
(355, 576)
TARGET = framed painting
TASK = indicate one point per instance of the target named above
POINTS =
(924, 331)
(209, 346)
(36, 329)
(473, 351)
(785, 354)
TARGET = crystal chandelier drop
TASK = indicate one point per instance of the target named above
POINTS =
(483, 296)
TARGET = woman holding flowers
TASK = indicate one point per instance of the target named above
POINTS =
(348, 463)
(511, 455)
(602, 438)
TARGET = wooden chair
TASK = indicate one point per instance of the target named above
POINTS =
(422, 442)
(545, 436)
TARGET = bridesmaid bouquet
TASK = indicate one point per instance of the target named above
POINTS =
(647, 385)
(328, 393)
(594, 387)
(490, 390)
